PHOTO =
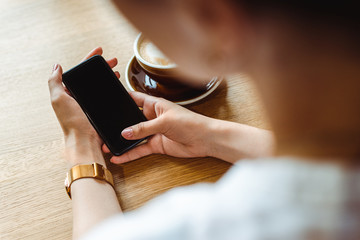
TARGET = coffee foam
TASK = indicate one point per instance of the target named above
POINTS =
(150, 53)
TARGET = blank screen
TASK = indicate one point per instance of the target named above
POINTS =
(105, 101)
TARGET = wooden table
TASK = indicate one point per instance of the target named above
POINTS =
(34, 35)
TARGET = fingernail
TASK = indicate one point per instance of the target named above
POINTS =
(55, 67)
(127, 132)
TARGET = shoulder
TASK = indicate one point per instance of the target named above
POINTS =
(279, 179)
(281, 197)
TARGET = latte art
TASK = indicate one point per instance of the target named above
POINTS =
(150, 53)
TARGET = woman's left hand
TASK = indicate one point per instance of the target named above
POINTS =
(73, 121)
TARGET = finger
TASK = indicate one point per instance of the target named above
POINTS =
(117, 74)
(55, 81)
(140, 98)
(95, 51)
(105, 149)
(135, 153)
(112, 62)
(144, 129)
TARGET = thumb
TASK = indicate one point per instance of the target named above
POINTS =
(143, 129)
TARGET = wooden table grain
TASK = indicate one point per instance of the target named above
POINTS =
(34, 35)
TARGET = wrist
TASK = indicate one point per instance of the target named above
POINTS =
(212, 135)
(82, 150)
(214, 138)
(75, 137)
(233, 141)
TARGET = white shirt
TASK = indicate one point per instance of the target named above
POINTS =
(279, 198)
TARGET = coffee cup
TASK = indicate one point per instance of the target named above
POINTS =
(151, 72)
(154, 62)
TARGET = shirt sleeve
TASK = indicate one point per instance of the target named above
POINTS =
(177, 214)
(254, 200)
(200, 211)
(224, 210)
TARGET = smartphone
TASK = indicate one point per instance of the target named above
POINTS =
(105, 101)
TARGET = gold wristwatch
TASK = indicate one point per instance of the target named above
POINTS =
(94, 170)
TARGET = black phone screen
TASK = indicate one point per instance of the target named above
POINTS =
(105, 101)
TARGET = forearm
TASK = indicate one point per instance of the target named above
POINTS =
(93, 200)
(233, 141)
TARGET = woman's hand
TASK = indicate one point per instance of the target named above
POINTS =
(178, 132)
(80, 136)
(175, 130)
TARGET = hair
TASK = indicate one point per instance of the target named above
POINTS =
(338, 13)
(316, 8)
(338, 16)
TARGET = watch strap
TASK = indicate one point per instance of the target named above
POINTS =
(94, 170)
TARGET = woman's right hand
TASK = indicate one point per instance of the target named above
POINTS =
(174, 130)
(179, 132)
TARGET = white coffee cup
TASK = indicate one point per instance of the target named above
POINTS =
(152, 60)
